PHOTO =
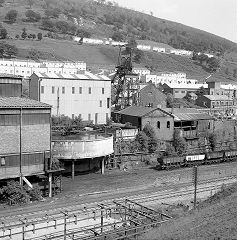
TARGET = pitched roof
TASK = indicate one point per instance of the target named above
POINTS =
(136, 111)
(188, 114)
(6, 75)
(186, 85)
(18, 102)
(218, 97)
(86, 75)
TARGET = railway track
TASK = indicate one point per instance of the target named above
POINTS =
(58, 213)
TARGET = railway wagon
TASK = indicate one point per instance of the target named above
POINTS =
(230, 155)
(170, 162)
(214, 157)
(193, 159)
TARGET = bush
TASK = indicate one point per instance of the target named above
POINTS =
(32, 16)
(35, 194)
(14, 193)
(11, 16)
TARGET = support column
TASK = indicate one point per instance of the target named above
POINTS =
(73, 169)
(50, 185)
(103, 166)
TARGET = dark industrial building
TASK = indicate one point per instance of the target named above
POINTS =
(11, 85)
(25, 137)
(151, 96)
(191, 122)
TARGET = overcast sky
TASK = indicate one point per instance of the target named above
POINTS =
(215, 16)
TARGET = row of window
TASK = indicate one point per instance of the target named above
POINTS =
(27, 119)
(223, 103)
(73, 90)
(176, 91)
(167, 124)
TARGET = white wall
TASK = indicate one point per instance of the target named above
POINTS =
(76, 104)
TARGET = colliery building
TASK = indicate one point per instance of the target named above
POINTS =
(82, 95)
(10, 85)
(25, 137)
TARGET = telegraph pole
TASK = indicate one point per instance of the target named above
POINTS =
(195, 186)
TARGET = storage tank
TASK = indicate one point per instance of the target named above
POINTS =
(85, 150)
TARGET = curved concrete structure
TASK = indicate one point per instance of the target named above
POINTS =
(81, 147)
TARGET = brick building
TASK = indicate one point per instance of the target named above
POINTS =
(151, 96)
(191, 122)
(25, 137)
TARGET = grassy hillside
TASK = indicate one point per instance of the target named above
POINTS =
(215, 219)
(103, 20)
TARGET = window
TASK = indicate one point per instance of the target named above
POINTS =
(168, 124)
(80, 90)
(3, 161)
(103, 91)
(53, 90)
(42, 89)
(108, 102)
(63, 90)
(100, 103)
(89, 90)
(182, 91)
(176, 91)
(89, 117)
(158, 124)
(73, 90)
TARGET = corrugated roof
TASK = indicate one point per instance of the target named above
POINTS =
(187, 114)
(136, 111)
(86, 75)
(17, 102)
(218, 97)
(6, 75)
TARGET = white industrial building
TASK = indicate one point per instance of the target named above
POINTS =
(85, 95)
(26, 68)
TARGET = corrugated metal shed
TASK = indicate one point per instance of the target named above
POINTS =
(17, 102)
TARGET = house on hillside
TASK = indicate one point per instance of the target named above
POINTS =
(217, 104)
(181, 90)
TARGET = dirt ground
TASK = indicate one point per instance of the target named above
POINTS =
(216, 219)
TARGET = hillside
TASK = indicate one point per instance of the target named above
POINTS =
(60, 20)
(215, 219)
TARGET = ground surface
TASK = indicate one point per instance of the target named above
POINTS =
(116, 184)
(217, 219)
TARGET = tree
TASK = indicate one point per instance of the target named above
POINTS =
(11, 16)
(141, 142)
(117, 36)
(212, 137)
(47, 24)
(153, 141)
(39, 36)
(213, 64)
(32, 16)
(33, 36)
(2, 2)
(11, 50)
(30, 3)
(170, 100)
(235, 72)
(201, 91)
(3, 32)
(179, 143)
(24, 33)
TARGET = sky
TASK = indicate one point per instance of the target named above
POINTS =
(215, 16)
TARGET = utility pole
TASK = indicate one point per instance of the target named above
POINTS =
(195, 186)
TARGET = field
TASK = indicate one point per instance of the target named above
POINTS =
(216, 219)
